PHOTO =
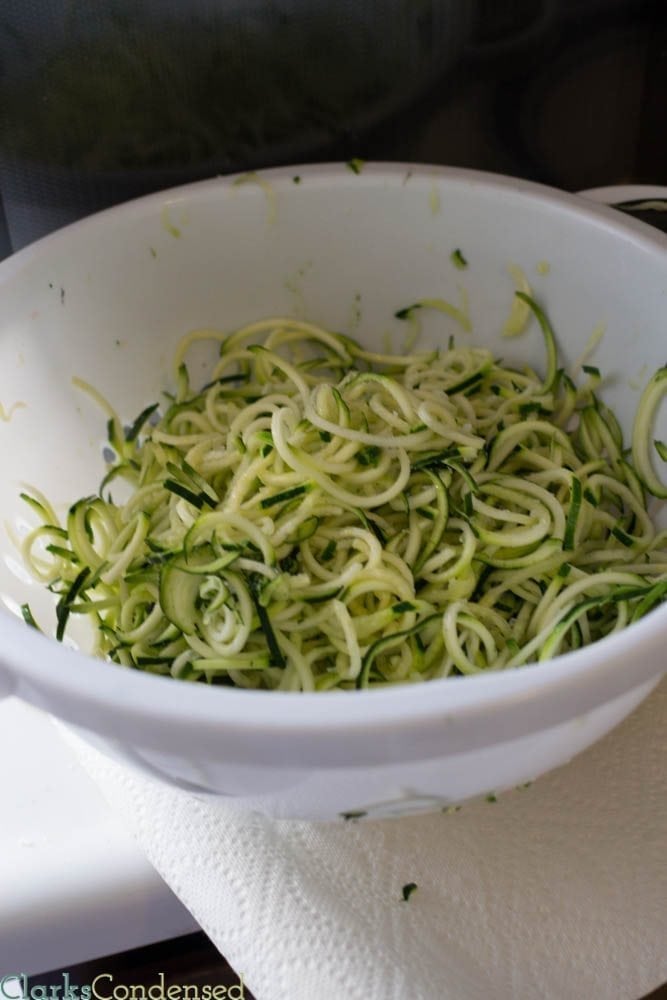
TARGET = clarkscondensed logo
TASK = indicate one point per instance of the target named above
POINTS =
(104, 987)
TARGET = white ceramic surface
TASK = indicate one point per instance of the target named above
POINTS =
(108, 298)
(75, 884)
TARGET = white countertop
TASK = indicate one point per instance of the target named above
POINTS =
(73, 884)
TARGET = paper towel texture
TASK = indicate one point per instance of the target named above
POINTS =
(558, 890)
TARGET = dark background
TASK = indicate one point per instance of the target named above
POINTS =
(104, 101)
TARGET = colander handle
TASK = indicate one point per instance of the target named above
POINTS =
(646, 202)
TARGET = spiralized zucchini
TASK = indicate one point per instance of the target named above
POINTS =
(318, 516)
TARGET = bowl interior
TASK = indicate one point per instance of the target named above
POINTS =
(108, 299)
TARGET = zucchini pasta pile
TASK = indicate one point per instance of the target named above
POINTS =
(318, 516)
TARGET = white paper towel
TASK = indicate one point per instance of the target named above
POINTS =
(555, 891)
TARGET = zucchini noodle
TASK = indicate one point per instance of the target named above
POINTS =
(318, 517)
